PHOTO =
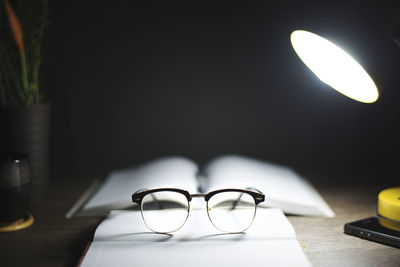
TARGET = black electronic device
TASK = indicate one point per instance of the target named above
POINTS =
(376, 229)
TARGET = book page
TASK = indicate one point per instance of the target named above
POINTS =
(117, 189)
(283, 187)
(128, 226)
(279, 252)
(123, 240)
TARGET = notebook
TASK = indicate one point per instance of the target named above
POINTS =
(283, 187)
(122, 239)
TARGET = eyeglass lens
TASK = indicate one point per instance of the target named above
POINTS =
(165, 211)
(231, 211)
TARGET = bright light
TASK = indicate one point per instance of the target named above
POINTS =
(334, 66)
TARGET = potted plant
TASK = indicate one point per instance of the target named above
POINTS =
(25, 106)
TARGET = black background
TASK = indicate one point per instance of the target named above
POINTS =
(130, 81)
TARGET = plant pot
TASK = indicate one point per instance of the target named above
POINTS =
(26, 131)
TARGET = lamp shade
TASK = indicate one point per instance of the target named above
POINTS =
(333, 66)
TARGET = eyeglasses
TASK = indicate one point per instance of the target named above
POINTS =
(165, 210)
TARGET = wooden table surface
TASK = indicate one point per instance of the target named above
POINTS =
(56, 241)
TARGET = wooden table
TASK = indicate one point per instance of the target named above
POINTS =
(56, 241)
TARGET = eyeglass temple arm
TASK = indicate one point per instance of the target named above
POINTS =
(241, 194)
(160, 205)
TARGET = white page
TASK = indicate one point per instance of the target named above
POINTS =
(116, 191)
(123, 240)
(129, 226)
(282, 187)
(279, 252)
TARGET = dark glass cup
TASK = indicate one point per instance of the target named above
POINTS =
(14, 187)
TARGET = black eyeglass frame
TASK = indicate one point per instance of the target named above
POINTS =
(138, 196)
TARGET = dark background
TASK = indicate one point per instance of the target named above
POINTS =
(130, 81)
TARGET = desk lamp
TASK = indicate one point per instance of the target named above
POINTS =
(333, 66)
(336, 68)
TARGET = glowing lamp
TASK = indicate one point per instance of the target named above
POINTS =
(333, 66)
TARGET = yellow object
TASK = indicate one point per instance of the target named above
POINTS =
(19, 224)
(389, 204)
(389, 224)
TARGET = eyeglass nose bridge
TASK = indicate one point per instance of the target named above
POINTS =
(197, 196)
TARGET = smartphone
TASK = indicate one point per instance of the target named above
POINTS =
(375, 229)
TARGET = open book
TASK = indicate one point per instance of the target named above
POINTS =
(123, 240)
(283, 188)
